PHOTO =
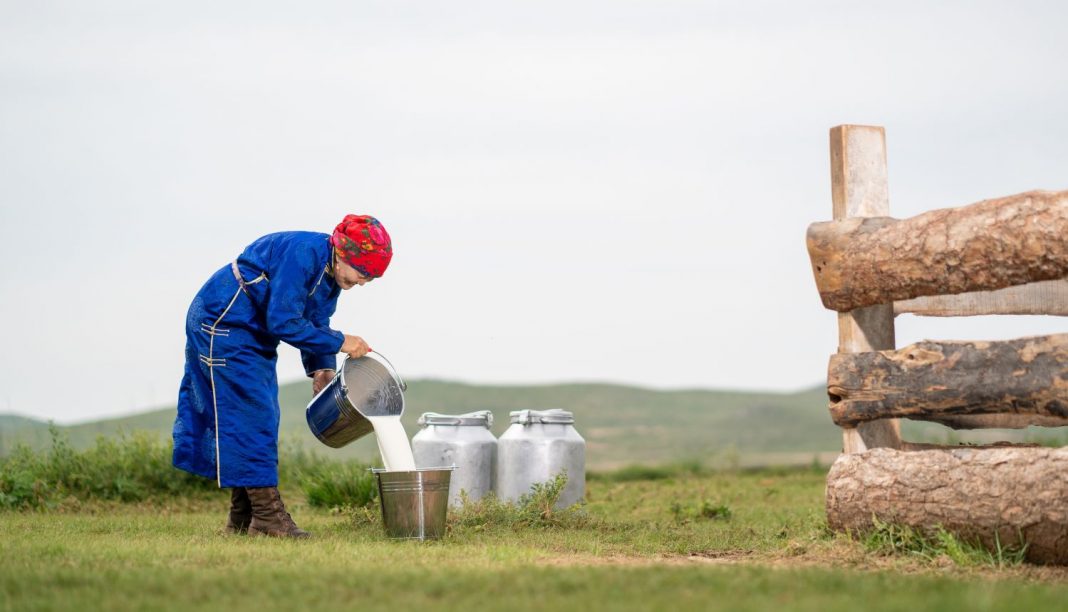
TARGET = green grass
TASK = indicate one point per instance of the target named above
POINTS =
(626, 549)
(113, 526)
(890, 539)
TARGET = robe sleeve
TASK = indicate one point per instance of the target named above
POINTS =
(293, 272)
(324, 361)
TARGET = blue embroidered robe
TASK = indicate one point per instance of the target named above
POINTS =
(227, 422)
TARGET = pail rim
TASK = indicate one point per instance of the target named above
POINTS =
(380, 358)
(424, 469)
(355, 364)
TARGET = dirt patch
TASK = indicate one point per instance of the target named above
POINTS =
(855, 562)
(726, 558)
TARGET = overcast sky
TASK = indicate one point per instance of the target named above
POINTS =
(577, 191)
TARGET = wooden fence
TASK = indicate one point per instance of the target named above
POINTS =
(1002, 256)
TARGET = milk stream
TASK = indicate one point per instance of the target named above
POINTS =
(393, 443)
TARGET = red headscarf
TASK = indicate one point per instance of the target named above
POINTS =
(363, 243)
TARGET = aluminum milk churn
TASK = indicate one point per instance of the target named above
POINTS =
(463, 440)
(535, 448)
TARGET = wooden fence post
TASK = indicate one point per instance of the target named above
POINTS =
(859, 189)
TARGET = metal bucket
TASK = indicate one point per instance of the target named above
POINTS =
(368, 386)
(414, 503)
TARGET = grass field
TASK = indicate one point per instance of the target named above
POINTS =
(712, 541)
(110, 525)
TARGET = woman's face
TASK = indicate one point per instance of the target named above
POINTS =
(346, 276)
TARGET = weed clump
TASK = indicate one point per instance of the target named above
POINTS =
(708, 510)
(538, 508)
(892, 539)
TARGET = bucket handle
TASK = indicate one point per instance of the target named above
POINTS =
(403, 385)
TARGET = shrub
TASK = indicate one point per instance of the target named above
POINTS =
(339, 485)
(129, 468)
(22, 483)
(136, 467)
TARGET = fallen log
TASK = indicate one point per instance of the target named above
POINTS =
(1005, 496)
(989, 245)
(945, 381)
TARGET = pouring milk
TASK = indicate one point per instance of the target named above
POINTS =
(365, 391)
(393, 443)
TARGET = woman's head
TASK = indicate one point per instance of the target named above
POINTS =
(345, 275)
(362, 250)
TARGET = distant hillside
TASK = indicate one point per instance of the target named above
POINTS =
(622, 425)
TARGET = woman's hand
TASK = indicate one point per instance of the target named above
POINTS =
(355, 347)
(320, 379)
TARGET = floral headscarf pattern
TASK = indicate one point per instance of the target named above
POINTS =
(364, 244)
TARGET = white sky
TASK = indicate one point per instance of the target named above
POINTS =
(581, 190)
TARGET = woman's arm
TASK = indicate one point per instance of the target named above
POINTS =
(293, 270)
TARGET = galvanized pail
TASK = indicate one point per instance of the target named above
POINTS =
(414, 503)
(368, 386)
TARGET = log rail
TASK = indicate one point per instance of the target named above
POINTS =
(989, 245)
(1038, 298)
(936, 381)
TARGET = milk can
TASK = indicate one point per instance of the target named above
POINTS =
(537, 446)
(463, 440)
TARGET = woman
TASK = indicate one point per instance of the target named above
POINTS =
(282, 288)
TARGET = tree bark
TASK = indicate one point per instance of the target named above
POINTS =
(943, 381)
(985, 246)
(1019, 494)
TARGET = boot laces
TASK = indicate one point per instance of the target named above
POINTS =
(290, 523)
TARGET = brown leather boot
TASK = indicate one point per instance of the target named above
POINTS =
(269, 516)
(240, 511)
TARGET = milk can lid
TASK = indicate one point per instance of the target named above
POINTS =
(479, 417)
(554, 415)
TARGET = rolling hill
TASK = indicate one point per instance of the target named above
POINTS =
(622, 425)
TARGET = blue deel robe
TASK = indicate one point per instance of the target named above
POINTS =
(227, 422)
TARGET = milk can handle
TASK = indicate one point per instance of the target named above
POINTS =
(403, 385)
